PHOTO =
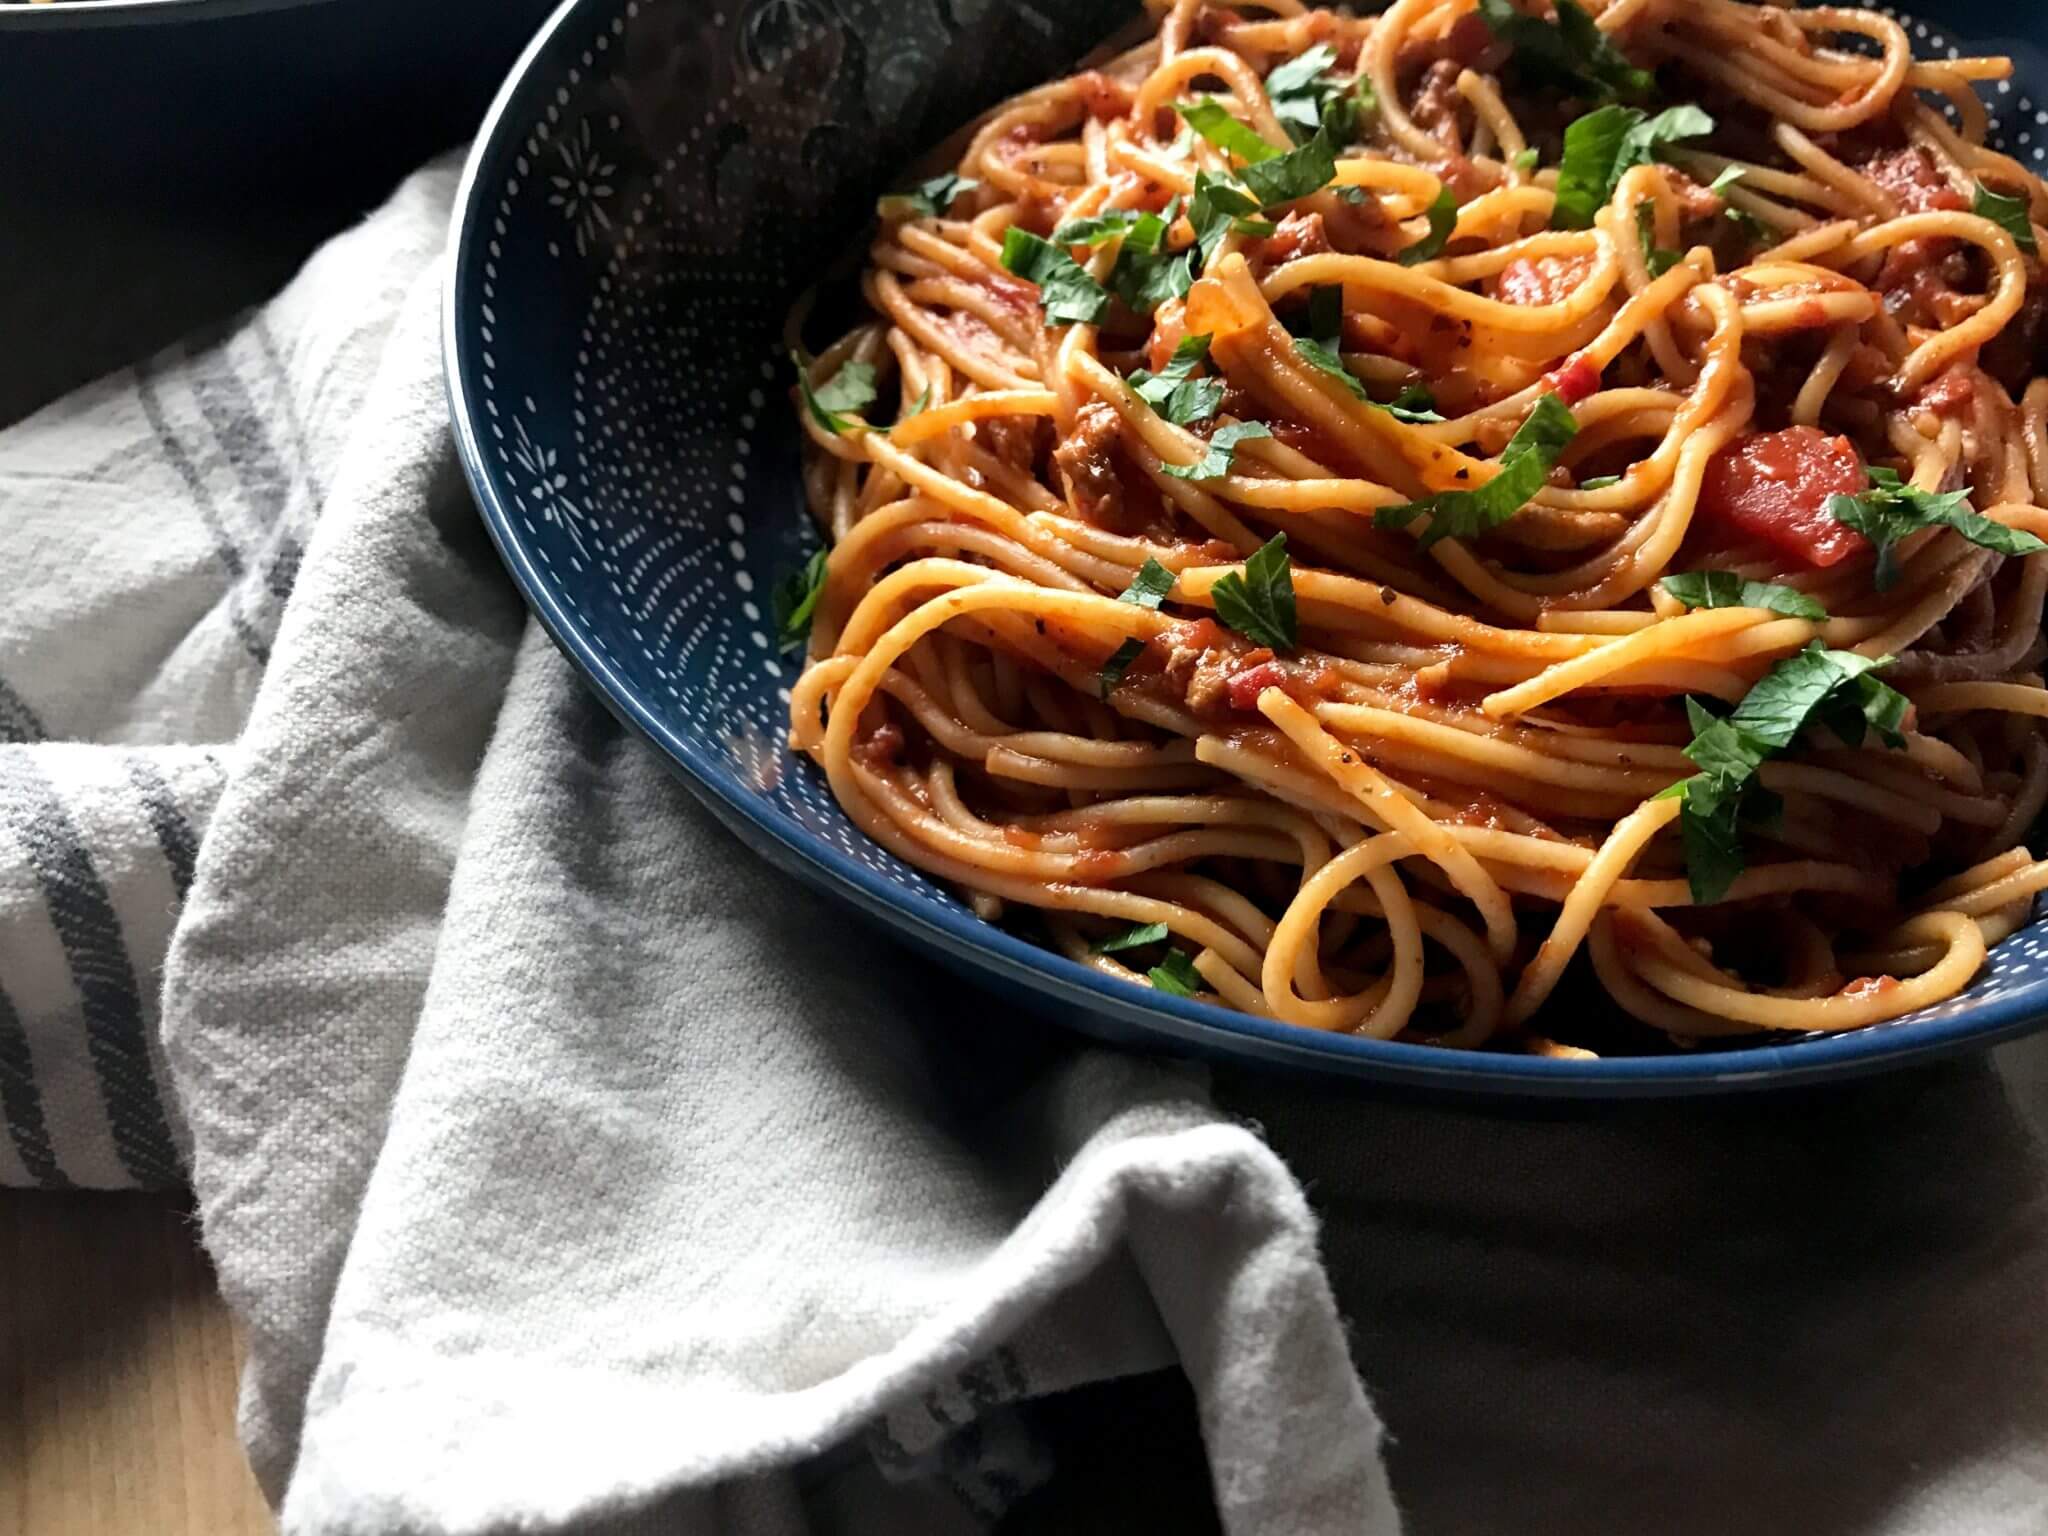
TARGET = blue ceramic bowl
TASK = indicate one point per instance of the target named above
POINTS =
(654, 183)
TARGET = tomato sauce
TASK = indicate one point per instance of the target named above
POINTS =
(1774, 486)
(1534, 280)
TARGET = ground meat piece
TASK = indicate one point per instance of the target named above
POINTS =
(2019, 352)
(881, 748)
(1951, 393)
(1920, 278)
(1694, 200)
(1912, 180)
(1362, 228)
(1019, 441)
(1298, 234)
(1087, 464)
(1436, 104)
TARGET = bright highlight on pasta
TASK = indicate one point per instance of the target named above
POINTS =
(1474, 524)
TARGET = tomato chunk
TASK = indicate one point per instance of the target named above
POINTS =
(1575, 380)
(1774, 486)
(1246, 686)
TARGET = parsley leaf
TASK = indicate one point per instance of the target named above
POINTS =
(1098, 229)
(1414, 405)
(2008, 213)
(1146, 274)
(1891, 509)
(1600, 146)
(1443, 218)
(1179, 398)
(928, 199)
(1119, 663)
(1212, 120)
(1130, 938)
(1219, 204)
(1525, 466)
(1777, 708)
(1068, 294)
(1177, 974)
(1259, 604)
(852, 388)
(1295, 174)
(1301, 93)
(1658, 261)
(1523, 160)
(1572, 54)
(1222, 448)
(795, 599)
(1817, 686)
(1599, 483)
(1150, 587)
(1725, 589)
(1730, 174)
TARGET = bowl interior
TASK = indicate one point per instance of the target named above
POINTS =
(656, 183)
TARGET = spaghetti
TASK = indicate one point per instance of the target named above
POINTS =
(1383, 518)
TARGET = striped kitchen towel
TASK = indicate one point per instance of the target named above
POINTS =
(151, 530)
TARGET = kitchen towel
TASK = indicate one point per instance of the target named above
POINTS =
(573, 1171)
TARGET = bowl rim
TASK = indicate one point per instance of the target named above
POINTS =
(65, 15)
(999, 954)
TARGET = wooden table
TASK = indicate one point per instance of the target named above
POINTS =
(117, 1374)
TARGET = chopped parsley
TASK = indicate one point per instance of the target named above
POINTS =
(1890, 510)
(1725, 589)
(1599, 482)
(1525, 466)
(1171, 391)
(1523, 160)
(1259, 603)
(1571, 54)
(1177, 974)
(1220, 450)
(1120, 659)
(1296, 174)
(852, 388)
(1099, 229)
(1658, 261)
(1301, 91)
(1146, 273)
(1212, 120)
(1149, 588)
(1322, 348)
(2008, 213)
(795, 599)
(1443, 218)
(1219, 206)
(1130, 938)
(928, 199)
(1818, 686)
(1069, 295)
(1602, 145)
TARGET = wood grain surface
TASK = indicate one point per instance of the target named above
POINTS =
(117, 1374)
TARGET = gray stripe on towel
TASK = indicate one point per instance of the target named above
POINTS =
(224, 547)
(90, 931)
(21, 1102)
(174, 834)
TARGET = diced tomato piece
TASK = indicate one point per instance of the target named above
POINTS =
(1774, 486)
(1575, 380)
(1247, 685)
(1169, 327)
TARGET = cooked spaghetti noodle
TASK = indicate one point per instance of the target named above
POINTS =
(1385, 514)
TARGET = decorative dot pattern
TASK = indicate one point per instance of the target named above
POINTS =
(664, 180)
